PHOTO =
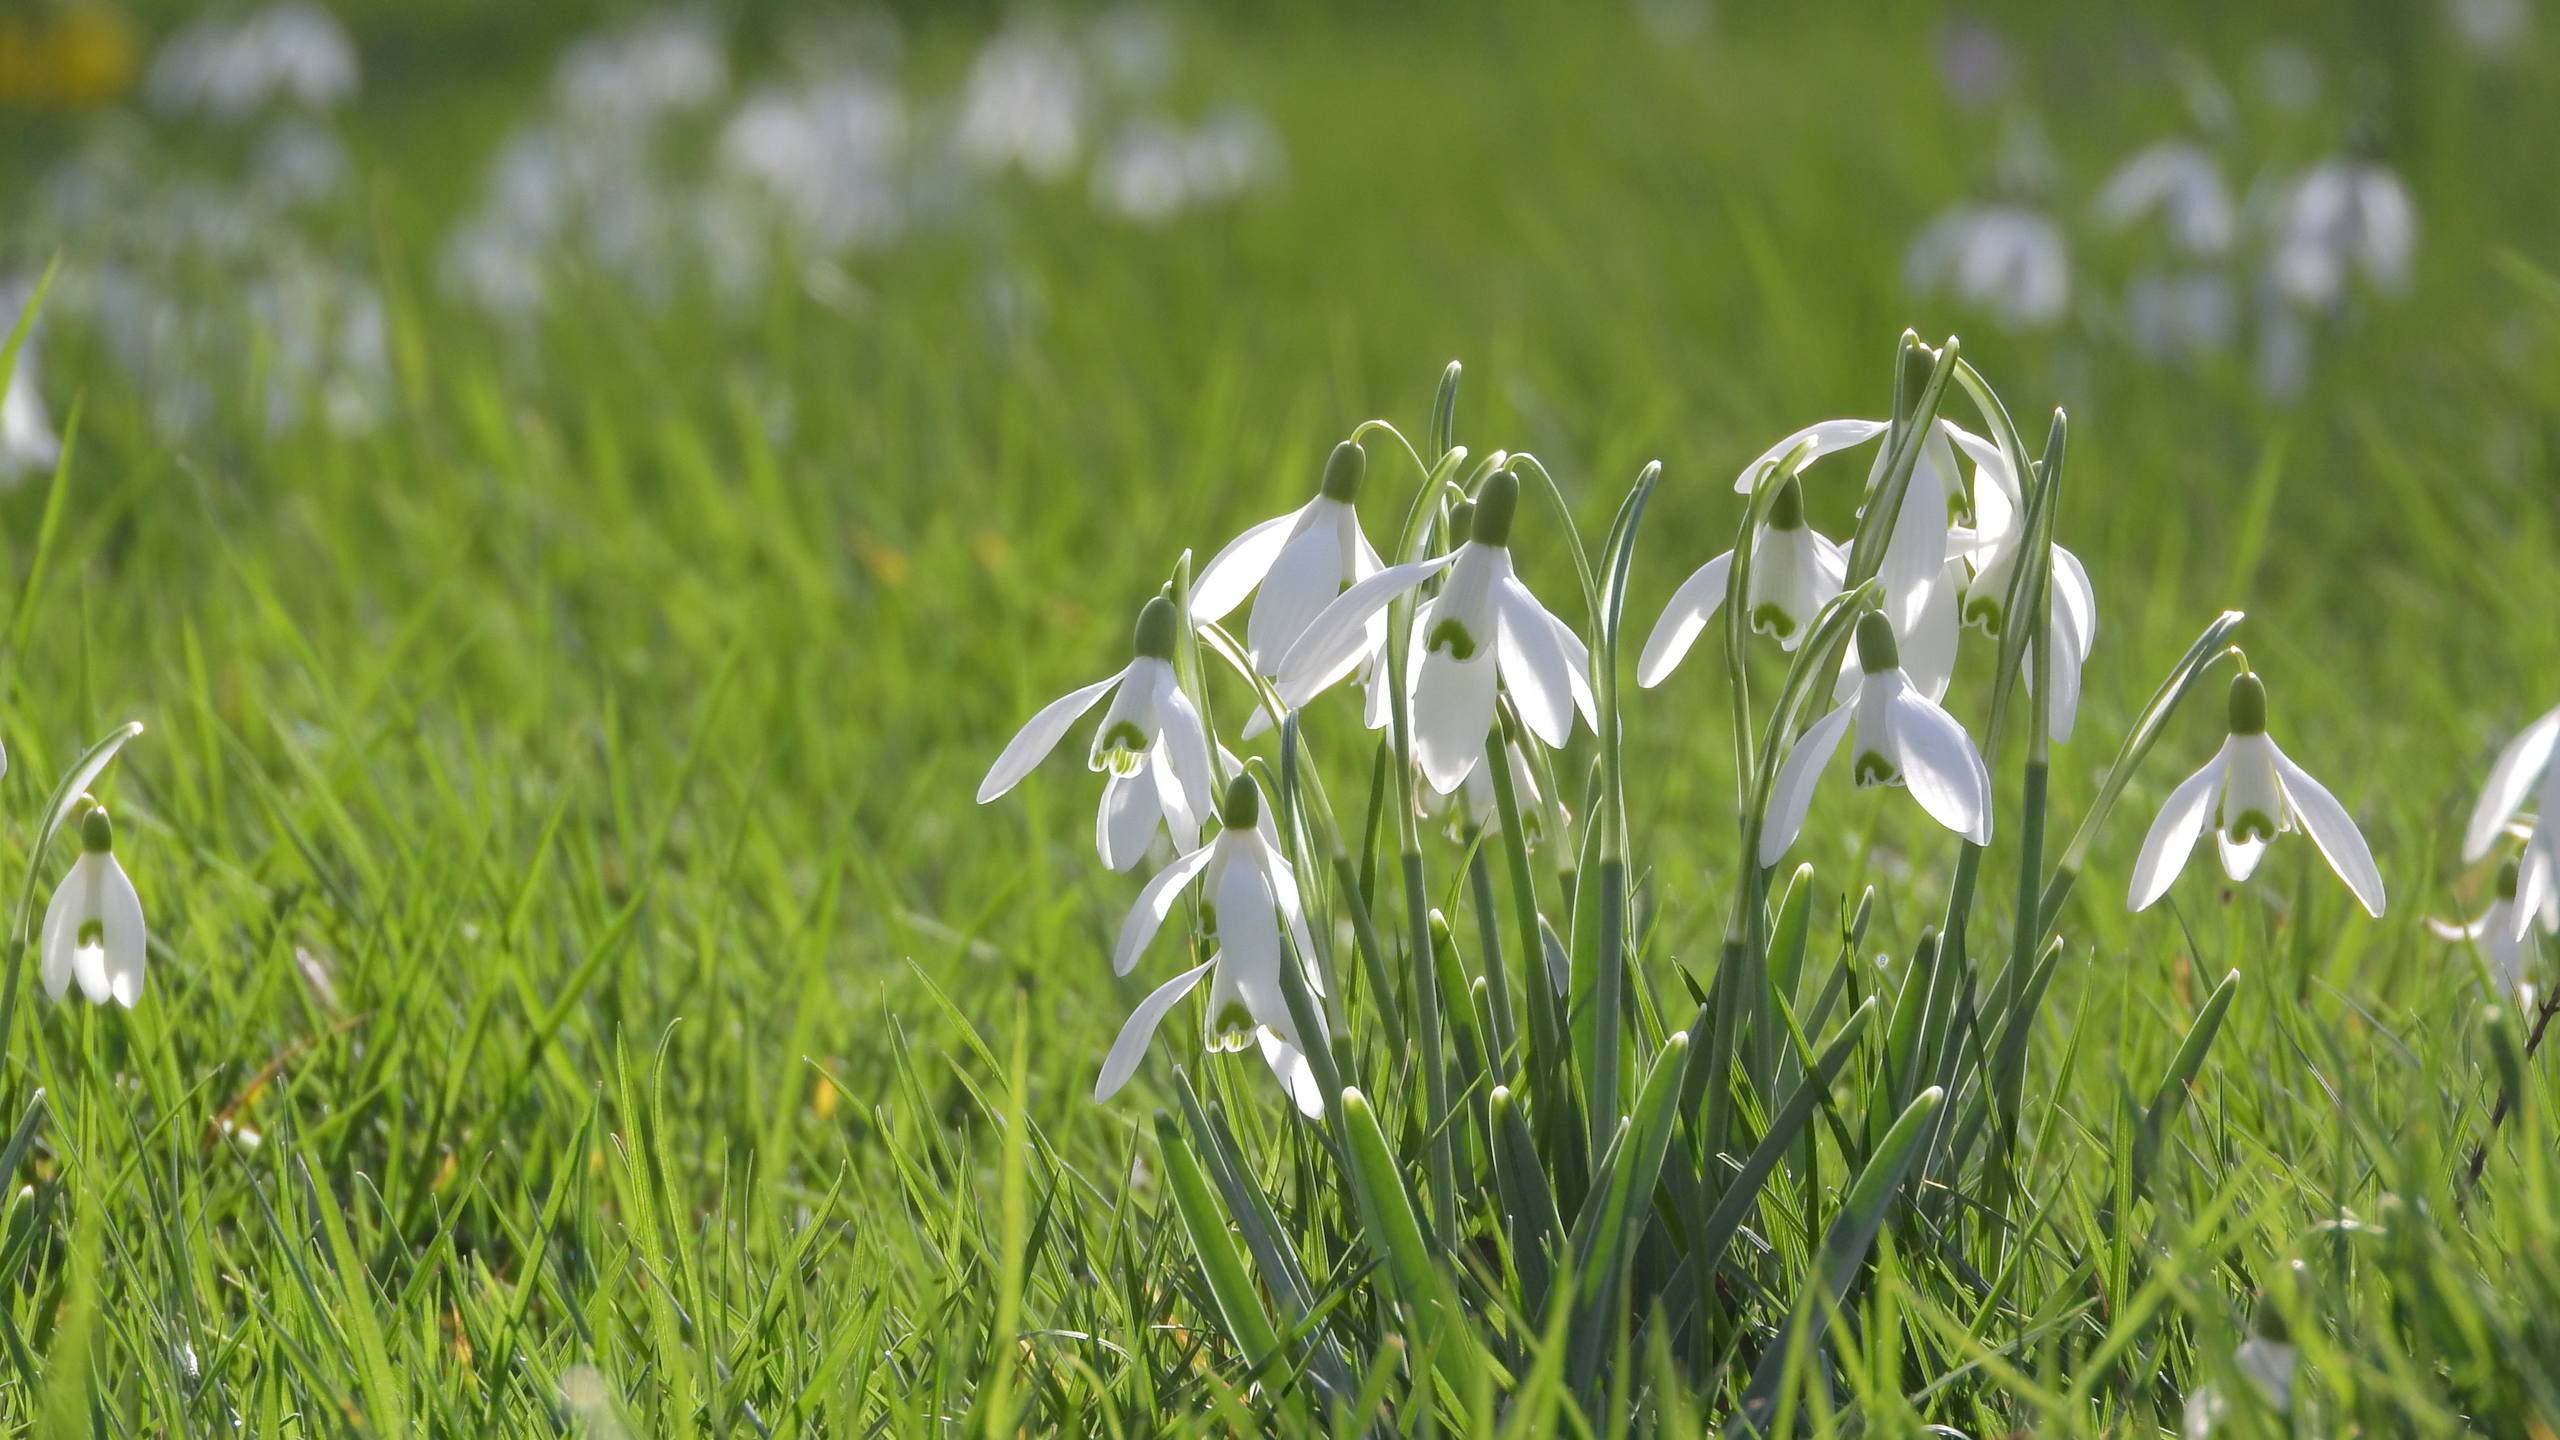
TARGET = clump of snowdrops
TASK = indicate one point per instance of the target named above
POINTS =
(1521, 1148)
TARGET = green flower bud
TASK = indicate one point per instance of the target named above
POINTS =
(1241, 808)
(2248, 705)
(1159, 627)
(1344, 470)
(1786, 508)
(1495, 500)
(1877, 651)
(97, 834)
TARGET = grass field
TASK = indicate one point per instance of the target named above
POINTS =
(583, 994)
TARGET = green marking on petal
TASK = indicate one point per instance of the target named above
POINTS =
(1984, 613)
(1232, 1027)
(93, 933)
(1461, 644)
(1772, 621)
(1872, 769)
(2250, 825)
(1121, 749)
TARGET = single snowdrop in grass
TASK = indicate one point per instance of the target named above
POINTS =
(1150, 741)
(2503, 931)
(1249, 895)
(1294, 565)
(93, 930)
(1902, 739)
(1794, 573)
(2249, 793)
(1482, 628)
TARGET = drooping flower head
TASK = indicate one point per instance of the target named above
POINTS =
(1903, 739)
(2249, 793)
(1794, 573)
(1294, 565)
(1150, 742)
(93, 930)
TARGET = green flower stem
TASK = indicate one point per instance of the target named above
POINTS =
(1506, 1036)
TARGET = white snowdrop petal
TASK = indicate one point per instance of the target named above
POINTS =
(2075, 597)
(1791, 795)
(1683, 621)
(1232, 573)
(1929, 650)
(1249, 931)
(1040, 735)
(1146, 915)
(2240, 857)
(1534, 663)
(1939, 764)
(2334, 831)
(1452, 713)
(1827, 436)
(60, 933)
(2172, 837)
(1186, 741)
(2459, 930)
(1126, 819)
(1130, 1047)
(127, 940)
(1303, 580)
(1289, 1064)
(2511, 778)
(1333, 644)
(1293, 913)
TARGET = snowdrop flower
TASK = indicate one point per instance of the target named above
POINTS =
(1250, 894)
(1025, 105)
(2344, 215)
(294, 51)
(659, 65)
(2525, 896)
(2523, 765)
(2250, 792)
(2178, 180)
(828, 155)
(1484, 625)
(1992, 547)
(1794, 573)
(2172, 313)
(28, 444)
(2005, 259)
(1476, 810)
(1150, 741)
(1903, 738)
(1298, 562)
(93, 929)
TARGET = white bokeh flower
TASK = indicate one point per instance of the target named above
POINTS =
(1903, 739)
(2178, 181)
(2005, 259)
(2525, 896)
(93, 930)
(1794, 573)
(295, 52)
(1251, 895)
(1025, 105)
(2342, 217)
(28, 444)
(2249, 793)
(1151, 742)
(1484, 626)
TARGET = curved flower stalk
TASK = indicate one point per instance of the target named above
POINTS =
(1250, 892)
(2525, 896)
(1903, 739)
(1151, 741)
(1484, 626)
(2249, 793)
(1991, 549)
(2523, 768)
(93, 929)
(1794, 572)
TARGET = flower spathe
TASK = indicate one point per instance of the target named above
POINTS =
(1902, 739)
(1250, 894)
(1794, 573)
(2249, 793)
(1151, 742)
(93, 929)
(1484, 626)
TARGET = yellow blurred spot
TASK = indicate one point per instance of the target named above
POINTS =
(887, 564)
(992, 549)
(822, 1098)
(81, 57)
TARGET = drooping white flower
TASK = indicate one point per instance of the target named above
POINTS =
(2004, 259)
(2179, 181)
(2340, 217)
(93, 930)
(1150, 741)
(1251, 894)
(1026, 104)
(1903, 739)
(1794, 573)
(1299, 563)
(1992, 548)
(28, 444)
(294, 51)
(2525, 896)
(1483, 626)
(2249, 793)
(2524, 768)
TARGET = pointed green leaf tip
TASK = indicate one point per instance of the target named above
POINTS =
(1241, 808)
(1344, 470)
(1159, 626)
(1786, 508)
(97, 833)
(1495, 500)
(1877, 651)
(2248, 705)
